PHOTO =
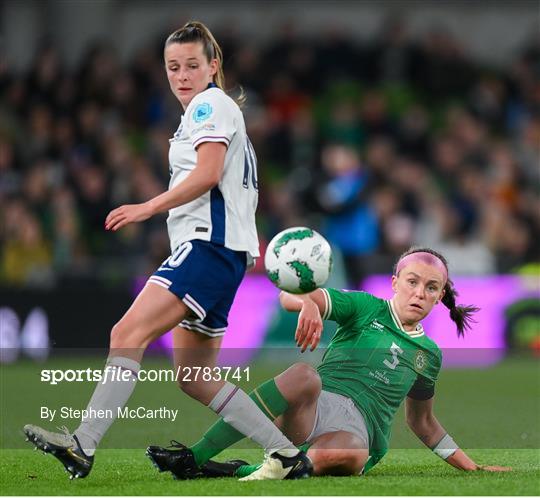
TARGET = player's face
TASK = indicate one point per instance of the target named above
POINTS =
(418, 287)
(188, 70)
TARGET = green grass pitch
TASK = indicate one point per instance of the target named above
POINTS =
(402, 472)
(496, 411)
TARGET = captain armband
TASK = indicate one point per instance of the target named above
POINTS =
(446, 447)
(421, 393)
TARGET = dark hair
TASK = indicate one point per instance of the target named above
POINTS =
(197, 32)
(460, 315)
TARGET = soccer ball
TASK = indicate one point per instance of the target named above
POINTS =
(298, 260)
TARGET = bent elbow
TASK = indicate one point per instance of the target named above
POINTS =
(213, 182)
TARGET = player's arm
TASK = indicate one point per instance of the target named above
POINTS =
(312, 307)
(422, 421)
(205, 176)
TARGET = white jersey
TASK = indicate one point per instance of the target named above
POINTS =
(226, 214)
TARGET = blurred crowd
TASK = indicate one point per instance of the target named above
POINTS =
(380, 144)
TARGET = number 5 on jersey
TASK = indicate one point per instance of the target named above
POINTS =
(395, 350)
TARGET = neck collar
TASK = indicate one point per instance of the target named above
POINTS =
(417, 332)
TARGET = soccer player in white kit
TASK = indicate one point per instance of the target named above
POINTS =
(211, 200)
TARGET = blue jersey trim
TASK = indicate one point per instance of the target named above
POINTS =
(217, 215)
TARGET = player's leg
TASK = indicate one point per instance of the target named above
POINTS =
(194, 349)
(154, 311)
(208, 286)
(339, 442)
(338, 453)
(338, 439)
(289, 400)
(300, 385)
(238, 411)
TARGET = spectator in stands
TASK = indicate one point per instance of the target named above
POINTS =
(413, 107)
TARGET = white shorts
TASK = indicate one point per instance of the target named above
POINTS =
(338, 413)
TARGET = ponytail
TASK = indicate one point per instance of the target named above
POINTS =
(193, 32)
(460, 315)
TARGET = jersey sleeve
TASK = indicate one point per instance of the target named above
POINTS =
(343, 305)
(210, 119)
(424, 386)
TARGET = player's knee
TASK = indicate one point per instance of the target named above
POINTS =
(353, 461)
(124, 336)
(117, 335)
(195, 390)
(186, 387)
(307, 378)
(338, 461)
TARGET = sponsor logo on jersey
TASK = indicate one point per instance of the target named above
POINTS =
(376, 325)
(420, 361)
(380, 376)
(202, 112)
(204, 127)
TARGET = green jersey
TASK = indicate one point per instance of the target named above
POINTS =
(374, 361)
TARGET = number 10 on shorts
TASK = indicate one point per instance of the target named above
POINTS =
(178, 256)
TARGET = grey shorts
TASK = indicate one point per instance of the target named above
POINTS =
(338, 413)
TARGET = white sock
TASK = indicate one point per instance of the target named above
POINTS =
(111, 394)
(241, 412)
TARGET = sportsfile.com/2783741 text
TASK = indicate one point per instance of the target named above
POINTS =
(180, 374)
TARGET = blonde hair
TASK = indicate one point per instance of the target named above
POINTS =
(197, 32)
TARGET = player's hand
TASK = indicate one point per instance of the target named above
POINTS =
(128, 213)
(309, 329)
(494, 468)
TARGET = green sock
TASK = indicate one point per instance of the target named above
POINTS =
(304, 447)
(245, 470)
(221, 435)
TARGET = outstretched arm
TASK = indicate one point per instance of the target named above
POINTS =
(311, 307)
(205, 176)
(424, 424)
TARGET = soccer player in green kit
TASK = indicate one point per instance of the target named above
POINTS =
(342, 412)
